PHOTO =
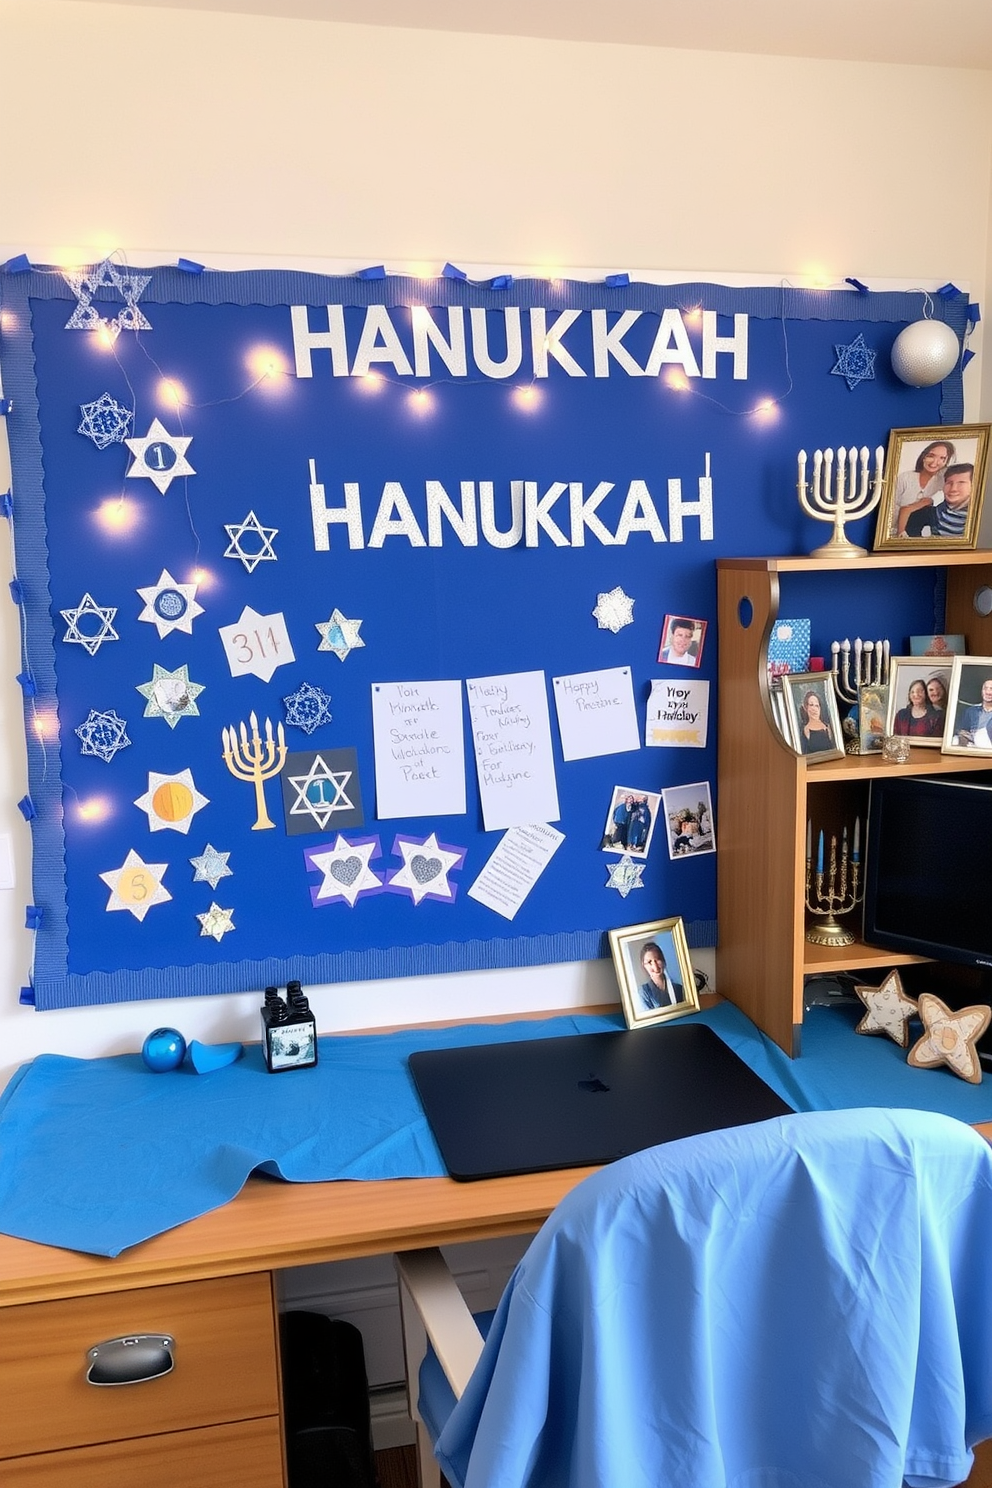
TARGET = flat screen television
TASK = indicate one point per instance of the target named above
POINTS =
(928, 867)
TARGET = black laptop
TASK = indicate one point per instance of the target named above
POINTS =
(527, 1107)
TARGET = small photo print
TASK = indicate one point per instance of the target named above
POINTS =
(682, 641)
(689, 816)
(630, 822)
(937, 645)
(292, 1047)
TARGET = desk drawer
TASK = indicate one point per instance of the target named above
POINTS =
(245, 1455)
(225, 1364)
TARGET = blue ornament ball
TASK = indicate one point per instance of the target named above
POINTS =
(163, 1049)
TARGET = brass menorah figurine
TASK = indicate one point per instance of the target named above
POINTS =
(248, 759)
(842, 499)
(831, 892)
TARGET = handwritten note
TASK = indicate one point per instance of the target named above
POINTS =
(514, 868)
(511, 732)
(596, 713)
(677, 715)
(419, 749)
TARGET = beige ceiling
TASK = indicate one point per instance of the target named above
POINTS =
(943, 33)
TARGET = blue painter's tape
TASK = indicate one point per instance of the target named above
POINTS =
(974, 313)
(27, 809)
(502, 281)
(189, 266)
(27, 683)
(6, 504)
(949, 291)
(451, 272)
(617, 281)
(16, 591)
(966, 358)
(32, 917)
(377, 271)
(26, 998)
(19, 265)
(861, 288)
(6, 406)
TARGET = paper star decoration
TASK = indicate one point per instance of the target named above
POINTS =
(169, 605)
(256, 644)
(84, 285)
(308, 707)
(171, 695)
(171, 801)
(339, 635)
(160, 457)
(136, 885)
(625, 875)
(346, 870)
(949, 1038)
(889, 1009)
(90, 624)
(211, 866)
(855, 363)
(426, 865)
(105, 421)
(321, 792)
(251, 526)
(216, 922)
(103, 734)
(614, 610)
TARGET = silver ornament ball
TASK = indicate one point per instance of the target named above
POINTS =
(924, 353)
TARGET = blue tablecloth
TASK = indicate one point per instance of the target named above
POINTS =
(99, 1154)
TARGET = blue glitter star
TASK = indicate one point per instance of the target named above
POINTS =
(103, 734)
(105, 421)
(855, 363)
(308, 707)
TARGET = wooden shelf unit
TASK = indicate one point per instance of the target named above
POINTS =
(767, 793)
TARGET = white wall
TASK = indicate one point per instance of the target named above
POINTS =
(206, 135)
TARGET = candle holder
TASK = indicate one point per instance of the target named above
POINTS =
(841, 499)
(834, 891)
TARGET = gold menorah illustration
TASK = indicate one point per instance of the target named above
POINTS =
(249, 759)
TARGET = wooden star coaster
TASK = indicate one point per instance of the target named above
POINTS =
(949, 1038)
(889, 1009)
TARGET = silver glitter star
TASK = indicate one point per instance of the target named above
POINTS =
(80, 627)
(625, 875)
(211, 866)
(85, 283)
(308, 707)
(105, 421)
(614, 610)
(339, 635)
(312, 792)
(216, 922)
(160, 456)
(237, 531)
(103, 734)
(171, 695)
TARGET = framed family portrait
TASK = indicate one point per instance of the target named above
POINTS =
(933, 489)
(814, 720)
(969, 707)
(654, 971)
(918, 693)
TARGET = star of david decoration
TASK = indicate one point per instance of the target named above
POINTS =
(308, 708)
(426, 865)
(160, 456)
(855, 363)
(171, 801)
(216, 922)
(888, 1009)
(321, 789)
(171, 695)
(105, 421)
(625, 875)
(103, 734)
(614, 610)
(346, 872)
(211, 866)
(85, 284)
(170, 605)
(339, 635)
(250, 528)
(90, 624)
(949, 1038)
(136, 885)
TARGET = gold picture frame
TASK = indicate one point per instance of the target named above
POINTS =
(651, 992)
(918, 462)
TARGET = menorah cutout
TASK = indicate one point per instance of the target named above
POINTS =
(834, 891)
(842, 499)
(249, 759)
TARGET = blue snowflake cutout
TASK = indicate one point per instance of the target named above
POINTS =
(105, 421)
(855, 363)
(308, 707)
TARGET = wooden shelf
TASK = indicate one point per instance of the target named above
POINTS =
(820, 960)
(971, 558)
(867, 766)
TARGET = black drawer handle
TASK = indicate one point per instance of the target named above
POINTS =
(130, 1360)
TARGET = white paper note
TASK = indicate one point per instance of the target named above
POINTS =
(596, 713)
(419, 749)
(677, 714)
(514, 868)
(511, 732)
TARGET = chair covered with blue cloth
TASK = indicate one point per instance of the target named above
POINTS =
(801, 1303)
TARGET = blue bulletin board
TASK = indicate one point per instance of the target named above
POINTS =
(306, 566)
